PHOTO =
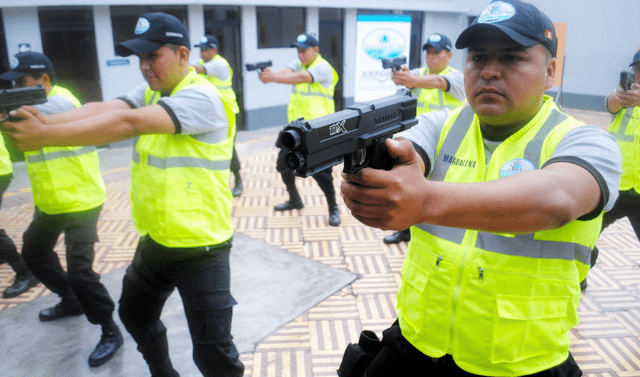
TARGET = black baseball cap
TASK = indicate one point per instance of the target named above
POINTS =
(439, 42)
(208, 41)
(520, 21)
(153, 31)
(305, 40)
(636, 59)
(28, 62)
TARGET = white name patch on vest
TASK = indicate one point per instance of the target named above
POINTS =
(515, 166)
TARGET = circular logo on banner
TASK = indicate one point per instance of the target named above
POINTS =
(515, 166)
(383, 44)
(142, 26)
(496, 12)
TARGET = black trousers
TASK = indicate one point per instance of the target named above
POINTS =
(235, 161)
(627, 205)
(8, 251)
(80, 281)
(324, 178)
(202, 276)
(398, 357)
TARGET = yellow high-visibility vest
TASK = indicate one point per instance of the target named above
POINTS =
(625, 127)
(65, 179)
(500, 304)
(180, 193)
(312, 100)
(435, 99)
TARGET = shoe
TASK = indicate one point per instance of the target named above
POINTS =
(20, 285)
(109, 343)
(289, 204)
(334, 216)
(397, 237)
(237, 190)
(60, 311)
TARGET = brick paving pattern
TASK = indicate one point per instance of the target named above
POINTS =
(605, 343)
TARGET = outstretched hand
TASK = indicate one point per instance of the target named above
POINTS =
(403, 77)
(389, 200)
(631, 97)
(27, 133)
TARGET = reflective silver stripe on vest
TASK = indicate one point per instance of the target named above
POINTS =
(41, 156)
(440, 102)
(454, 235)
(224, 87)
(532, 150)
(182, 162)
(626, 118)
(187, 162)
(523, 245)
(312, 94)
(452, 142)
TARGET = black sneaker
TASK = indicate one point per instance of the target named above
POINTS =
(289, 204)
(334, 217)
(397, 237)
(109, 343)
(20, 285)
(60, 311)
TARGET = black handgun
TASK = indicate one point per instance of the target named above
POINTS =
(627, 78)
(355, 136)
(259, 66)
(11, 99)
(394, 63)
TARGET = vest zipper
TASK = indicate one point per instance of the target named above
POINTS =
(456, 292)
(440, 257)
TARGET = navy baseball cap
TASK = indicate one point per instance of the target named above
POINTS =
(305, 40)
(636, 59)
(28, 62)
(153, 31)
(439, 42)
(522, 22)
(208, 41)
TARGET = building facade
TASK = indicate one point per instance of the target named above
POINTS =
(79, 37)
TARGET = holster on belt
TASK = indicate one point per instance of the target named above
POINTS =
(357, 357)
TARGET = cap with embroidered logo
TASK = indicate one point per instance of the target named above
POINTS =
(439, 42)
(520, 21)
(636, 59)
(28, 62)
(305, 40)
(153, 31)
(208, 41)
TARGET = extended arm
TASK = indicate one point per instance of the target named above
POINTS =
(93, 124)
(525, 202)
(285, 76)
(619, 98)
(406, 78)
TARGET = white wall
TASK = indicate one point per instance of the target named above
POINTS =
(115, 79)
(25, 28)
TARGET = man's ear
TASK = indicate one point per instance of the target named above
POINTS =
(183, 54)
(551, 73)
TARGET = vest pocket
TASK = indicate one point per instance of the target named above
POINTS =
(180, 217)
(423, 302)
(526, 327)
